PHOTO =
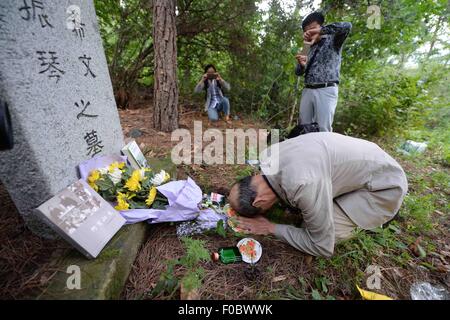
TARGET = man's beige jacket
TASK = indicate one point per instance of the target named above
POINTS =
(317, 169)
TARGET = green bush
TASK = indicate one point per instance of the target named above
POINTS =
(380, 100)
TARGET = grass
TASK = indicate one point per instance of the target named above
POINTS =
(195, 252)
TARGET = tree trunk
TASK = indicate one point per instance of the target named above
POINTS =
(165, 113)
(435, 36)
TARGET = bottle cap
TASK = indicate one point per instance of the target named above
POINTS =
(215, 256)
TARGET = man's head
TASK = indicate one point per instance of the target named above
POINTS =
(313, 21)
(210, 68)
(252, 196)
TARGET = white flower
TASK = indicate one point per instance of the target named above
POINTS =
(142, 172)
(159, 178)
(115, 176)
(103, 170)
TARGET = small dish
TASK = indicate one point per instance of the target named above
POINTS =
(250, 249)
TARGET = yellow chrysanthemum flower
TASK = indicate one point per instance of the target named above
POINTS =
(137, 175)
(122, 203)
(166, 177)
(115, 165)
(93, 177)
(133, 184)
(151, 197)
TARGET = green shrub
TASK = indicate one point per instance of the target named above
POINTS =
(380, 100)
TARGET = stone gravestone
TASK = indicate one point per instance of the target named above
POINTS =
(54, 77)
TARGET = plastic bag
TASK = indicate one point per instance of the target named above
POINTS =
(426, 291)
(206, 220)
(412, 147)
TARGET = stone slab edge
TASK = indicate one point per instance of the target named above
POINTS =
(101, 278)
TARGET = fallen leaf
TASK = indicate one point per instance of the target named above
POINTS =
(279, 278)
(369, 295)
(398, 272)
(308, 260)
(422, 253)
(444, 268)
(417, 249)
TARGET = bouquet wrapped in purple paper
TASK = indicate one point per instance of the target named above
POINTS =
(141, 195)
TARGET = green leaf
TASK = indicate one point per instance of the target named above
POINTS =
(158, 204)
(422, 253)
(137, 205)
(220, 229)
(316, 295)
(195, 252)
(105, 183)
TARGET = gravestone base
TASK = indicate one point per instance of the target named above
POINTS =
(102, 278)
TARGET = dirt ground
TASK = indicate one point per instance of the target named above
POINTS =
(221, 281)
(24, 257)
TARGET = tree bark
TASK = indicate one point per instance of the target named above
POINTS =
(165, 113)
(435, 36)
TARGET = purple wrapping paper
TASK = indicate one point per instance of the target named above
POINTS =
(184, 197)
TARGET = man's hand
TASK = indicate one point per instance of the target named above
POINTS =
(315, 38)
(205, 76)
(219, 78)
(301, 59)
(258, 225)
(309, 35)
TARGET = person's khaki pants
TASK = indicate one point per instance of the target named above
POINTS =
(343, 226)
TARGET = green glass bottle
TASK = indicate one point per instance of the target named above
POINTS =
(227, 255)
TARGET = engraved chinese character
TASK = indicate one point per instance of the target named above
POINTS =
(84, 105)
(29, 12)
(94, 144)
(86, 61)
(73, 21)
(48, 60)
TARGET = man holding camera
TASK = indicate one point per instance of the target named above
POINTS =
(216, 102)
(321, 68)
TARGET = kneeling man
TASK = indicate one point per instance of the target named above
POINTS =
(337, 182)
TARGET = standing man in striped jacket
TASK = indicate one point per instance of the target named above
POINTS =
(321, 68)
